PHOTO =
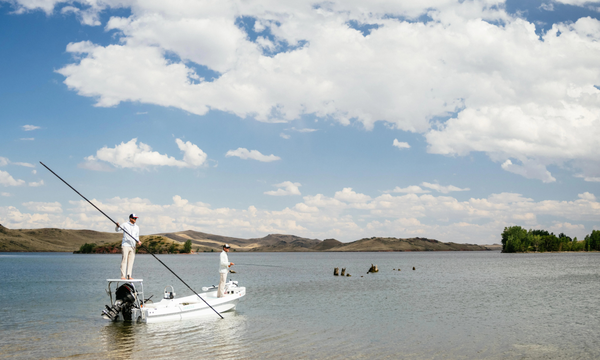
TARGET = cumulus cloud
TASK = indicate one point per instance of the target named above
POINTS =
(44, 207)
(530, 170)
(413, 189)
(36, 183)
(285, 188)
(350, 196)
(7, 180)
(508, 91)
(443, 189)
(30, 127)
(5, 194)
(140, 156)
(346, 216)
(400, 145)
(243, 153)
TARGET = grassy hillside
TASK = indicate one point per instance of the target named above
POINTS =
(109, 242)
(411, 244)
(51, 239)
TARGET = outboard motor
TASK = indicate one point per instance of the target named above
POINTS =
(125, 301)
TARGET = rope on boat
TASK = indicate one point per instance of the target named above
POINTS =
(142, 245)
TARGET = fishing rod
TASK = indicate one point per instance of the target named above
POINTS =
(142, 245)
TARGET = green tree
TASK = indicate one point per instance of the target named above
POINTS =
(594, 240)
(187, 247)
(87, 248)
(517, 234)
(173, 248)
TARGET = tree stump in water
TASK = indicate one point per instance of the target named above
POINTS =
(343, 272)
(373, 269)
(336, 271)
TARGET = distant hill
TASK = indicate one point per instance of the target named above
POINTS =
(71, 240)
(51, 239)
(411, 244)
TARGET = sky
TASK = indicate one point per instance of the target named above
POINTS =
(442, 119)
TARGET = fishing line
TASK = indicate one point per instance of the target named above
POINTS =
(142, 245)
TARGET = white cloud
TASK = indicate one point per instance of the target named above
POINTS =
(5, 194)
(400, 145)
(243, 153)
(141, 156)
(23, 164)
(36, 184)
(44, 207)
(88, 16)
(476, 220)
(5, 161)
(27, 139)
(413, 189)
(7, 180)
(509, 92)
(589, 178)
(530, 169)
(285, 136)
(285, 188)
(350, 196)
(443, 189)
(30, 127)
(304, 130)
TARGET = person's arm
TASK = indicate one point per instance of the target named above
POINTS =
(117, 228)
(137, 237)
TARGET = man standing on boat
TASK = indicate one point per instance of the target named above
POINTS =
(223, 270)
(131, 236)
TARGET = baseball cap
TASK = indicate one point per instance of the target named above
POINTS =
(133, 216)
(226, 246)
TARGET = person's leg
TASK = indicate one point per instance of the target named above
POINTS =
(130, 259)
(124, 262)
(222, 280)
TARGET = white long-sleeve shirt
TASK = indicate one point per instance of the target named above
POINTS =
(224, 264)
(133, 230)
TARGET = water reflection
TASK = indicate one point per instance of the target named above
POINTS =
(119, 339)
(206, 336)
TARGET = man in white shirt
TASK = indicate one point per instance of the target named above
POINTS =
(128, 245)
(223, 270)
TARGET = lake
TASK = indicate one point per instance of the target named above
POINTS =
(454, 305)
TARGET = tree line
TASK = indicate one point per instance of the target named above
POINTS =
(517, 239)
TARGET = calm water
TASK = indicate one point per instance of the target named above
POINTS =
(475, 305)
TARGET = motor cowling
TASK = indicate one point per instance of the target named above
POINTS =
(125, 296)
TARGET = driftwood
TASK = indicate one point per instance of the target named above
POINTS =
(373, 269)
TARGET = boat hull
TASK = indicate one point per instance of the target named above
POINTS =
(189, 307)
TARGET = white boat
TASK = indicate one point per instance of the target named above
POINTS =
(128, 302)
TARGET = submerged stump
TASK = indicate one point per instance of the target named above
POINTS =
(343, 272)
(373, 269)
(336, 271)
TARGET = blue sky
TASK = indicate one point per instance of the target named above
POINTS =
(439, 119)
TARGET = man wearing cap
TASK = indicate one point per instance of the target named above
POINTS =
(223, 270)
(131, 236)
